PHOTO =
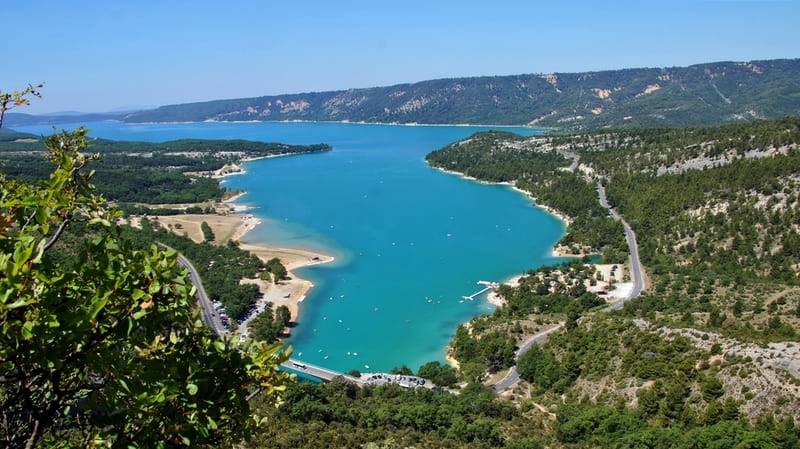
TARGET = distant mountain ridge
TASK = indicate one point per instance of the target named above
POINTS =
(703, 94)
(19, 119)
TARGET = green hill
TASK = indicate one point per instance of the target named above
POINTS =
(704, 94)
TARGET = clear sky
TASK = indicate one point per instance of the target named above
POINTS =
(98, 55)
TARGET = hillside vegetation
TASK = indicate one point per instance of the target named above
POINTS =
(714, 339)
(144, 172)
(720, 92)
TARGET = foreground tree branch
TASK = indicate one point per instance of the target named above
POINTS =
(104, 346)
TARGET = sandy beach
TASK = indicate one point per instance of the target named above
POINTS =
(290, 291)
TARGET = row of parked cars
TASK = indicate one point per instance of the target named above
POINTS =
(380, 378)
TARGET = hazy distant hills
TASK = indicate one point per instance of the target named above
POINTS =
(703, 94)
(18, 119)
(700, 94)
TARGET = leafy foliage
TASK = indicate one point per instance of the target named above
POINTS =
(109, 351)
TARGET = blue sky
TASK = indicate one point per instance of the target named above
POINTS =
(97, 55)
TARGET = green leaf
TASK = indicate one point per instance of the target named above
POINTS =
(192, 389)
(22, 253)
(41, 215)
(155, 286)
(27, 330)
(102, 221)
(18, 303)
(138, 294)
(97, 306)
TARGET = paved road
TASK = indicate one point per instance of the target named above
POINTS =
(575, 160)
(637, 277)
(513, 376)
(637, 272)
(208, 313)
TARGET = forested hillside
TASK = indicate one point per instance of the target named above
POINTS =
(711, 348)
(704, 94)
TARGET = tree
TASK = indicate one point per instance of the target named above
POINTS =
(109, 349)
(277, 269)
(17, 98)
(283, 316)
(208, 233)
(264, 327)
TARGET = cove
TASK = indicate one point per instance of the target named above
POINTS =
(410, 241)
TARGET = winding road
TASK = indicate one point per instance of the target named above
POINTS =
(637, 277)
(513, 376)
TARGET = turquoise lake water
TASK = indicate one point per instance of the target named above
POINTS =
(409, 240)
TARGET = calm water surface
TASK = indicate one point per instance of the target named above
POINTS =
(409, 241)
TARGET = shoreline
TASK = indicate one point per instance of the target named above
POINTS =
(343, 122)
(234, 227)
(292, 290)
(565, 219)
(237, 168)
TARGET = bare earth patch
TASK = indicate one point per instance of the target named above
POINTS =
(289, 292)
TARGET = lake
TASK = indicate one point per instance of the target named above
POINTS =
(410, 241)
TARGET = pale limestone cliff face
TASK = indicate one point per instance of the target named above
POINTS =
(754, 67)
(553, 80)
(414, 104)
(293, 106)
(601, 93)
(649, 89)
